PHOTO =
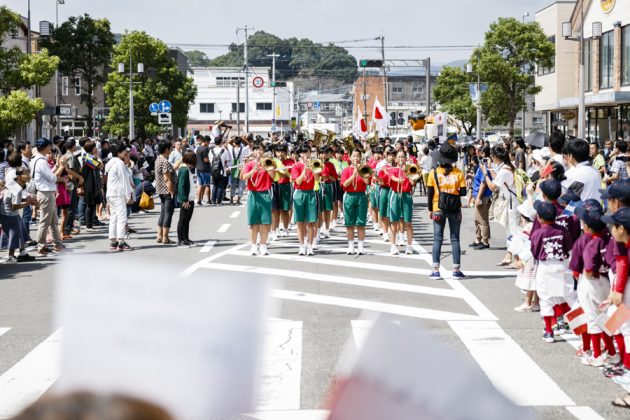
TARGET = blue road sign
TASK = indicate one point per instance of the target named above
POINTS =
(154, 107)
(165, 106)
(316, 105)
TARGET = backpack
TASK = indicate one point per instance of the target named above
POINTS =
(521, 181)
(216, 169)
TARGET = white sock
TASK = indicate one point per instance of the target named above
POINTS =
(351, 244)
(360, 244)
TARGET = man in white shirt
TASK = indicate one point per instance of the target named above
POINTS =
(175, 158)
(239, 152)
(220, 177)
(45, 181)
(119, 194)
(582, 178)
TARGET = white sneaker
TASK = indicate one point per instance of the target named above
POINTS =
(385, 237)
(273, 236)
(263, 250)
(333, 224)
(394, 250)
(409, 250)
(399, 239)
(376, 229)
(613, 360)
(350, 250)
(623, 380)
(523, 308)
(594, 361)
(302, 250)
(309, 250)
(361, 251)
(254, 250)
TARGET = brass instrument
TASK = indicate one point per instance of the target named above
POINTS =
(332, 136)
(269, 164)
(372, 138)
(365, 172)
(319, 138)
(317, 166)
(348, 143)
(413, 172)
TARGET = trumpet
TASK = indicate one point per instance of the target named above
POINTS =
(412, 171)
(365, 172)
(269, 164)
(317, 166)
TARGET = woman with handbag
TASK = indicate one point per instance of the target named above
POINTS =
(501, 182)
(446, 185)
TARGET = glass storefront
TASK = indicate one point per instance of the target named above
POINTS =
(604, 123)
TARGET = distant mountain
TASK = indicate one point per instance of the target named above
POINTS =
(456, 63)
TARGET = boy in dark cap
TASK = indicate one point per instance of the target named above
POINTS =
(550, 246)
(551, 190)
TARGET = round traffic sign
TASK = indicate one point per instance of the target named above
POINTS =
(309, 105)
(258, 82)
(154, 107)
(165, 106)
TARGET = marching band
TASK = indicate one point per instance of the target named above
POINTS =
(366, 183)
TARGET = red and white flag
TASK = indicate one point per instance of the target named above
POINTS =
(577, 321)
(380, 117)
(360, 126)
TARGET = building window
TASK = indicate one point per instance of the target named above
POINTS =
(241, 107)
(77, 86)
(230, 82)
(397, 89)
(263, 106)
(548, 70)
(625, 55)
(206, 108)
(417, 90)
(606, 60)
(588, 65)
(64, 86)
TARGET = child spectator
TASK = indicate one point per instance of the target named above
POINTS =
(10, 202)
(526, 276)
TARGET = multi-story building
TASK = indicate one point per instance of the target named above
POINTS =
(221, 96)
(325, 110)
(606, 62)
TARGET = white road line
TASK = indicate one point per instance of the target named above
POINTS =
(503, 360)
(409, 311)
(29, 378)
(208, 246)
(4, 330)
(187, 272)
(235, 214)
(584, 413)
(281, 366)
(353, 281)
(224, 228)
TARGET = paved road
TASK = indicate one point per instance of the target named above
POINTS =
(322, 298)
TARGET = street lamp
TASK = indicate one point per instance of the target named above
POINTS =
(567, 33)
(140, 70)
(525, 15)
(469, 69)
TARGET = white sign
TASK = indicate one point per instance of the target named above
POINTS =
(141, 330)
(164, 118)
(387, 382)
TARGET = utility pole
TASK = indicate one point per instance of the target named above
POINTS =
(365, 115)
(427, 64)
(57, 3)
(238, 108)
(383, 70)
(273, 85)
(246, 66)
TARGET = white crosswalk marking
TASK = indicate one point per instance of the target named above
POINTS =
(208, 246)
(235, 214)
(29, 378)
(224, 228)
(4, 330)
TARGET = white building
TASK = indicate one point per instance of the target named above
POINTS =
(221, 96)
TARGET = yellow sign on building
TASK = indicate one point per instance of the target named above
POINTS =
(607, 5)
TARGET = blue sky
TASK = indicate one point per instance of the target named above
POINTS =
(417, 23)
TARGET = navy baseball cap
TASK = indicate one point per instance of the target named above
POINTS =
(545, 210)
(618, 189)
(551, 188)
(569, 197)
(621, 217)
(591, 213)
(42, 142)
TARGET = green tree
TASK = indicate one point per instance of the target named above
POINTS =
(85, 47)
(197, 58)
(298, 57)
(160, 80)
(19, 71)
(507, 63)
(452, 93)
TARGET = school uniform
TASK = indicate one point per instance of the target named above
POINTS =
(304, 196)
(259, 198)
(550, 246)
(355, 202)
(384, 191)
(592, 292)
(400, 200)
(284, 188)
(327, 187)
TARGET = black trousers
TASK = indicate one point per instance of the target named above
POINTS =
(183, 224)
(166, 211)
(218, 189)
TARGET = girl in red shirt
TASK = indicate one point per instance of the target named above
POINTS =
(355, 202)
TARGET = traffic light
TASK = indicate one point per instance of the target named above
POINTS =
(370, 63)
(392, 117)
(278, 84)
